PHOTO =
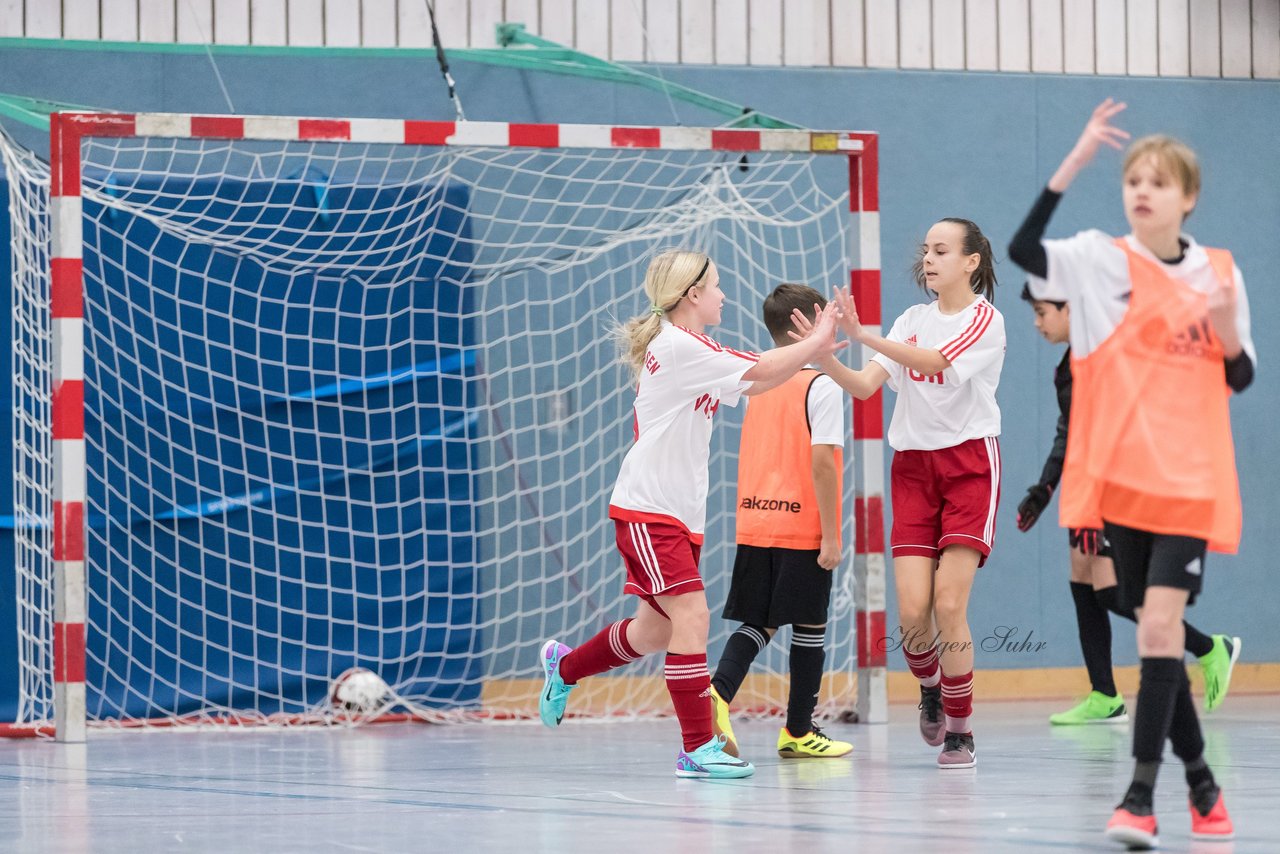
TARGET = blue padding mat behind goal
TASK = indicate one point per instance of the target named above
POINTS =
(286, 488)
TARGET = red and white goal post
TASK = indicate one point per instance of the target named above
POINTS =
(270, 263)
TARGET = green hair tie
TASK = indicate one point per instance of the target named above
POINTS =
(656, 309)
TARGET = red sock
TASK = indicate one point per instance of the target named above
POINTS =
(607, 650)
(689, 684)
(924, 665)
(957, 701)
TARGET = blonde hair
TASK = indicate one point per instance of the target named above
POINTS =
(670, 276)
(1172, 155)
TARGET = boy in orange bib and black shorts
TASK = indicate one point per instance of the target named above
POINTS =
(1159, 340)
(790, 466)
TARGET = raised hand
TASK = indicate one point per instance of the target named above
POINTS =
(824, 330)
(1097, 131)
(849, 322)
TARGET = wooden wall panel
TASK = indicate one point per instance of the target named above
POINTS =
(1171, 38)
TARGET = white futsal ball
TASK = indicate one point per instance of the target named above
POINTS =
(359, 690)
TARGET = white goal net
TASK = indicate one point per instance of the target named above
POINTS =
(354, 405)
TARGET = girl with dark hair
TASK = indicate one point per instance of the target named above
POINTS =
(944, 359)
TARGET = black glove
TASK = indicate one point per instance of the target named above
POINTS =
(1033, 505)
(1088, 540)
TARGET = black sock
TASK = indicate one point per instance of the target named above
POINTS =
(1198, 774)
(807, 658)
(1186, 737)
(1139, 797)
(1095, 638)
(1108, 598)
(1158, 690)
(1198, 643)
(740, 650)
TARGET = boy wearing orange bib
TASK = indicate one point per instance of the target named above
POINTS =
(790, 464)
(1159, 340)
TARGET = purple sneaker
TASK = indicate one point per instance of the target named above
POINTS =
(932, 726)
(957, 751)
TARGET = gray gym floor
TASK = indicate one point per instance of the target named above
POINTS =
(608, 787)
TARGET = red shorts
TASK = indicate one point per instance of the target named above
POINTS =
(946, 497)
(661, 559)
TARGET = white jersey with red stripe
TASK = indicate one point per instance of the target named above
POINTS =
(686, 377)
(958, 404)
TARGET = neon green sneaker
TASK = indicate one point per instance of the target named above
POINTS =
(1097, 708)
(1217, 665)
(720, 724)
(815, 744)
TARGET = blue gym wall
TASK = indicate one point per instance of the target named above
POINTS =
(974, 145)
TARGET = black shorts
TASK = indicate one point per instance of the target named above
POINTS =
(1144, 559)
(778, 587)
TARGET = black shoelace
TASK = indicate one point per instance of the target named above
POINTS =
(930, 704)
(957, 741)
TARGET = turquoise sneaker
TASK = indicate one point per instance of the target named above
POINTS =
(1217, 665)
(711, 762)
(555, 694)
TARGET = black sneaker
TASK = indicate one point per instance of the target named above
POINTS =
(932, 726)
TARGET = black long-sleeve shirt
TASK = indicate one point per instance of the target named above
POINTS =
(1027, 251)
(1052, 471)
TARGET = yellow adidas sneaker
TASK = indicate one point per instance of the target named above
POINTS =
(815, 744)
(720, 724)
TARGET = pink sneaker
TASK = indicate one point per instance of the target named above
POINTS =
(1214, 824)
(1132, 830)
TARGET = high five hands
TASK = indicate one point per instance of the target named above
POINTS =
(842, 311)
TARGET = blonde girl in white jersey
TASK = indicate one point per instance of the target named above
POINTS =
(659, 503)
(943, 358)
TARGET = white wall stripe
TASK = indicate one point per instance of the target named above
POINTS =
(1174, 38)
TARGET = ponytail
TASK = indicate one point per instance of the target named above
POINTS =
(983, 279)
(634, 337)
(670, 277)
